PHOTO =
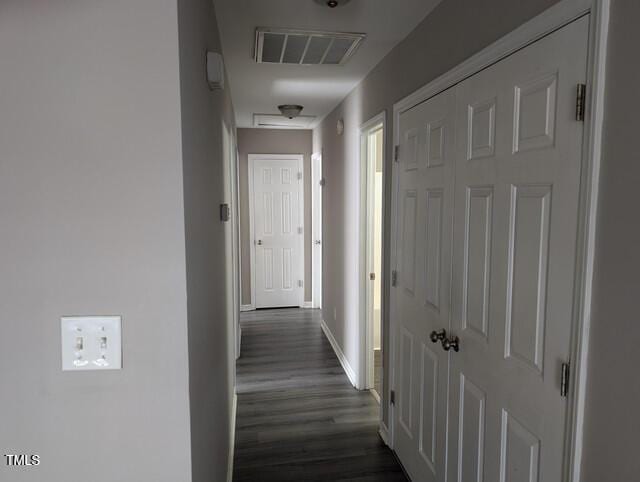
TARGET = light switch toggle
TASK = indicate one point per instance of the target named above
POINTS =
(79, 361)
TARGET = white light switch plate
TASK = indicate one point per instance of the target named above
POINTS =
(91, 342)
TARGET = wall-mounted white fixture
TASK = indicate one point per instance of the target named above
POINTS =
(91, 342)
(215, 71)
(290, 111)
(339, 127)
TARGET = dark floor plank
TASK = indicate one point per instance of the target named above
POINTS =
(299, 418)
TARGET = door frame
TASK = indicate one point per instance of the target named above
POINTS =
(252, 159)
(365, 369)
(547, 22)
(316, 231)
(238, 242)
(234, 193)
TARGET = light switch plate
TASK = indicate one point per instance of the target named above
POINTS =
(91, 342)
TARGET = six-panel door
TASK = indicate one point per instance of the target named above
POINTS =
(277, 233)
(515, 176)
(421, 301)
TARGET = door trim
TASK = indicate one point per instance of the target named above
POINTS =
(252, 158)
(550, 20)
(365, 380)
(316, 210)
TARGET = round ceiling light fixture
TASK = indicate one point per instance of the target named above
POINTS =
(290, 110)
(332, 3)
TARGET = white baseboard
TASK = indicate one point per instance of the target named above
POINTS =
(247, 308)
(384, 435)
(232, 438)
(307, 304)
(351, 374)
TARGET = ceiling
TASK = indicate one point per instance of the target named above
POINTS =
(260, 88)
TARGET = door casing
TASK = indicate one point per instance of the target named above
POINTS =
(550, 20)
(316, 231)
(252, 158)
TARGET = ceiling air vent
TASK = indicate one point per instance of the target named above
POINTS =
(280, 46)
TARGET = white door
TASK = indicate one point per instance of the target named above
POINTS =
(518, 158)
(277, 231)
(420, 302)
(316, 231)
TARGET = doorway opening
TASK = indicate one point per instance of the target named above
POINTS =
(372, 144)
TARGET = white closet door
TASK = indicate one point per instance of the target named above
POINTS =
(518, 158)
(420, 303)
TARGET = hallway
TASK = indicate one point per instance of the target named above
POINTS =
(298, 416)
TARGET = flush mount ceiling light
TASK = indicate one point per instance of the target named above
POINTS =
(277, 121)
(290, 110)
(304, 47)
(332, 3)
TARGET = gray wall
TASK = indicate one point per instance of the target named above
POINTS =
(92, 222)
(612, 425)
(454, 31)
(272, 141)
(205, 115)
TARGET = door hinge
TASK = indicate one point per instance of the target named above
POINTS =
(299, 176)
(392, 397)
(394, 277)
(300, 283)
(300, 230)
(564, 379)
(396, 153)
(372, 276)
(581, 94)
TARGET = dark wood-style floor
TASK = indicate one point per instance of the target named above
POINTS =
(299, 418)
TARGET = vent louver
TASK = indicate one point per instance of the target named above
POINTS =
(280, 46)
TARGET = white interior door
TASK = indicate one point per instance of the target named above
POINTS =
(518, 159)
(316, 209)
(505, 144)
(420, 303)
(278, 232)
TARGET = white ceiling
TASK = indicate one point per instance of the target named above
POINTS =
(260, 88)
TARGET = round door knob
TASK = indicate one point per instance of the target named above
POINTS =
(317, 241)
(438, 335)
(452, 343)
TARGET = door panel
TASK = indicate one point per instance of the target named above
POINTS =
(276, 219)
(516, 218)
(433, 240)
(477, 258)
(420, 304)
(429, 396)
(471, 433)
